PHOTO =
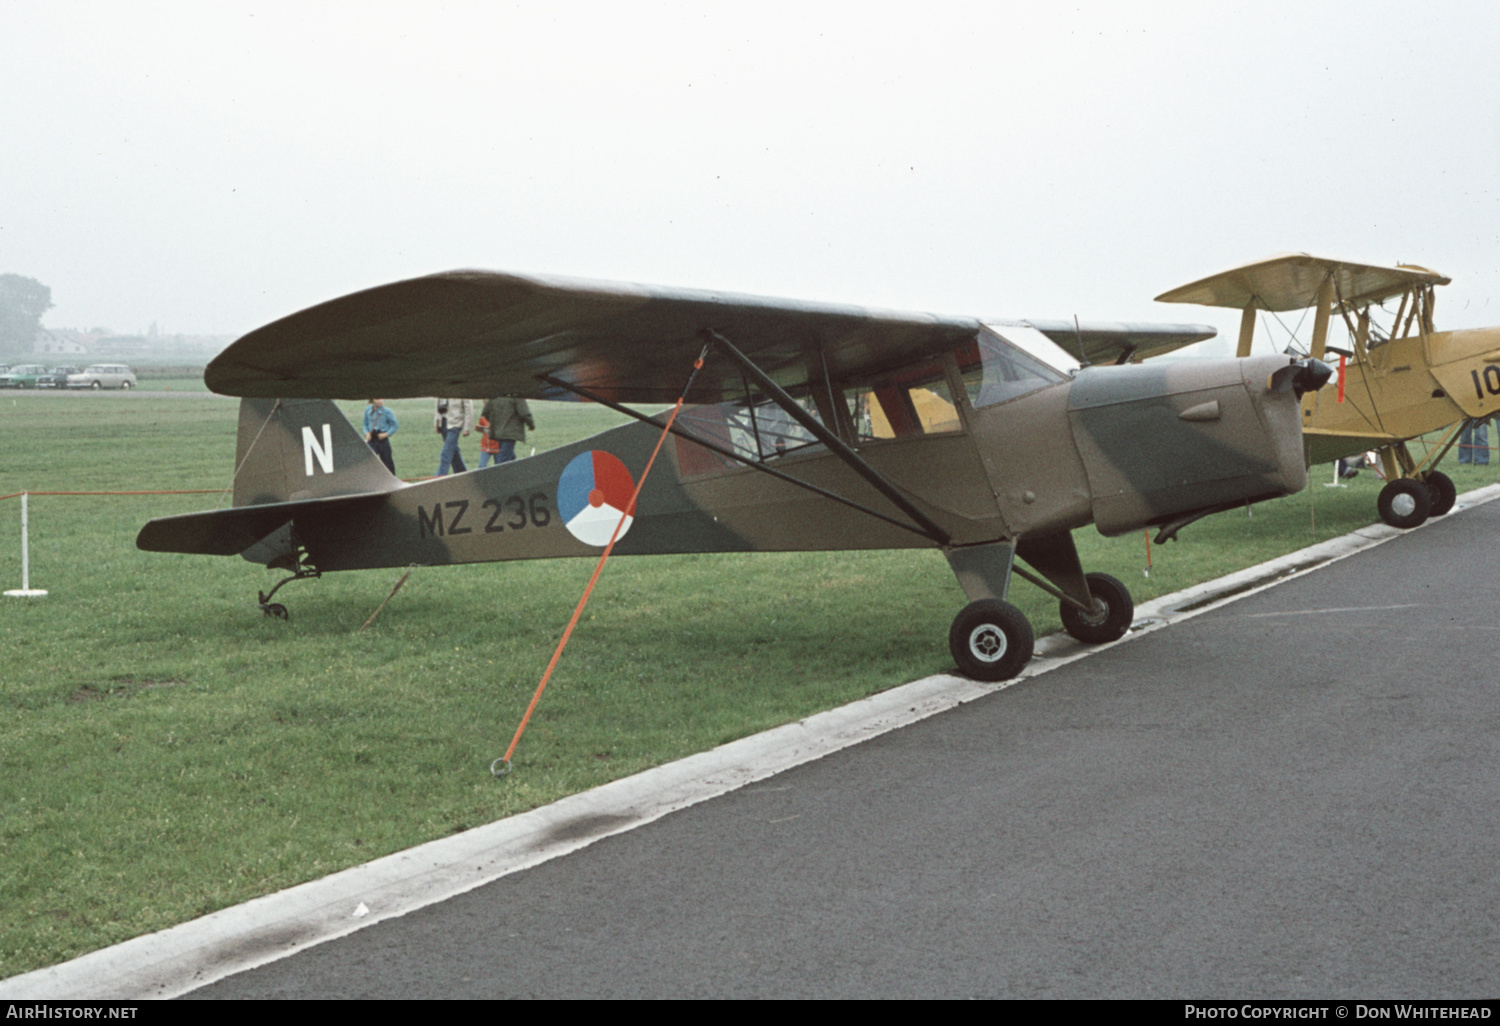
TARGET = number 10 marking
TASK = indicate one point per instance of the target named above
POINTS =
(1491, 381)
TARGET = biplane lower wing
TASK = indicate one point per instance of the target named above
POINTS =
(1326, 446)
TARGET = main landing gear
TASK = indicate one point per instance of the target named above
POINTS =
(1407, 502)
(1412, 495)
(991, 640)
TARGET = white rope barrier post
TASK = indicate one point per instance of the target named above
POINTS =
(26, 590)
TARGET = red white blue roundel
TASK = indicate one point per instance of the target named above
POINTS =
(592, 493)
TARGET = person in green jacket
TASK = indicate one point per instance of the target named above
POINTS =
(507, 421)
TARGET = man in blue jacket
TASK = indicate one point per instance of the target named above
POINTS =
(380, 425)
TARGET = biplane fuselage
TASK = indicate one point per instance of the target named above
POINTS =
(892, 431)
(1403, 389)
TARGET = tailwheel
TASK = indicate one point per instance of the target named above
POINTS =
(991, 640)
(1112, 615)
(276, 609)
(1404, 503)
(1441, 490)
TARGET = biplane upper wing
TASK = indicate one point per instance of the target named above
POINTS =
(484, 333)
(1290, 281)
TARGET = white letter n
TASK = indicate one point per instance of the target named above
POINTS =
(324, 452)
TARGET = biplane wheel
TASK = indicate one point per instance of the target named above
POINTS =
(1441, 490)
(1114, 612)
(990, 640)
(1404, 503)
(275, 609)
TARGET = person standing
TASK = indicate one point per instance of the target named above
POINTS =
(1474, 442)
(380, 425)
(508, 420)
(454, 417)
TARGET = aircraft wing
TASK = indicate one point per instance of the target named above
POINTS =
(1099, 342)
(480, 333)
(1290, 281)
(1324, 446)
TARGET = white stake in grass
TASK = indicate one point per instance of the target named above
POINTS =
(26, 591)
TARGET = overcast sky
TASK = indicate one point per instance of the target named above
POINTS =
(211, 167)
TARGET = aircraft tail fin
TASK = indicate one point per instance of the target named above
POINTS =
(291, 450)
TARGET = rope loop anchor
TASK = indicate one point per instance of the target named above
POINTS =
(503, 771)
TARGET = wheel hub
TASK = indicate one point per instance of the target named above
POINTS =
(1097, 614)
(987, 643)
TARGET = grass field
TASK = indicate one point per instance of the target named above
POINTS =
(165, 750)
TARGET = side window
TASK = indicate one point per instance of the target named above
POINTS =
(911, 401)
(754, 430)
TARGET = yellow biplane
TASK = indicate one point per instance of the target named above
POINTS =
(1399, 377)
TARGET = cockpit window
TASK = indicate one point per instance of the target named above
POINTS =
(995, 370)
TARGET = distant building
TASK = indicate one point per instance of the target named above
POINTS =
(57, 343)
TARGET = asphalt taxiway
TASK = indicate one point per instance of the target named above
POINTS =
(1284, 786)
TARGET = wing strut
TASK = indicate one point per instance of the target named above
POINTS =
(729, 453)
(835, 444)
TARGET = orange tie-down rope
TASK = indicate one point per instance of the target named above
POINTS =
(180, 491)
(501, 766)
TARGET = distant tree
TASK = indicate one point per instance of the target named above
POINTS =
(22, 303)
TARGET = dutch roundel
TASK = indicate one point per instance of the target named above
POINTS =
(593, 492)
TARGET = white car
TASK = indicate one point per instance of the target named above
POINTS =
(103, 375)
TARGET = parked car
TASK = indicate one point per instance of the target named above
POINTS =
(103, 375)
(57, 377)
(23, 376)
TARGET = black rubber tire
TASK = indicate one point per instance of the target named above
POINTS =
(96, 386)
(990, 640)
(124, 385)
(1442, 491)
(1114, 612)
(1404, 503)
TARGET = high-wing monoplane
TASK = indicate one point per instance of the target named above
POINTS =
(811, 427)
(1400, 377)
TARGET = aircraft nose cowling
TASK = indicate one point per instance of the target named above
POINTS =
(1300, 376)
(1161, 441)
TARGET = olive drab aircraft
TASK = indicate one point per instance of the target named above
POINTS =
(1400, 378)
(809, 427)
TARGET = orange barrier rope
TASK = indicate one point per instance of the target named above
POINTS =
(589, 589)
(182, 491)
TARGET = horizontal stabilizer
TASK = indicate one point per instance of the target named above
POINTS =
(229, 532)
(1290, 281)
